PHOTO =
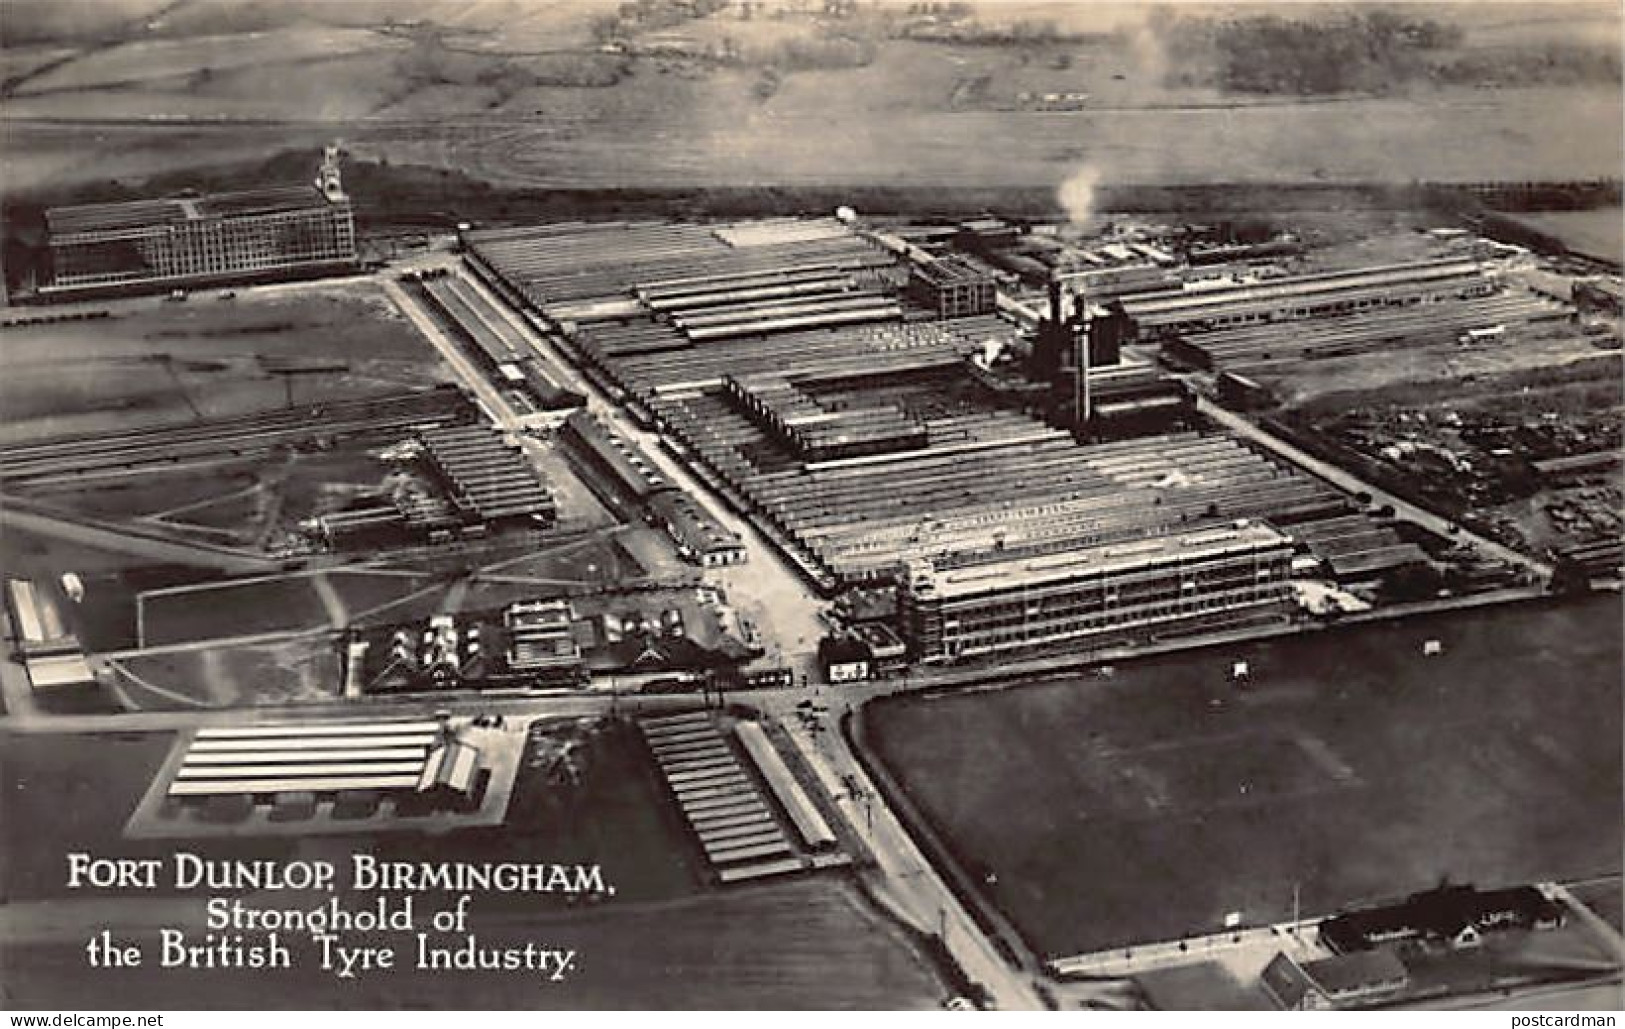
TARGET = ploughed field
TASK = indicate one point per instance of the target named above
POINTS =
(1105, 810)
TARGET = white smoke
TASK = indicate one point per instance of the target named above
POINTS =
(1077, 194)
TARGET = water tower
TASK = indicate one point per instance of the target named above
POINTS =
(327, 177)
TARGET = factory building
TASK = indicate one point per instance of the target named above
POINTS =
(267, 763)
(1177, 311)
(48, 648)
(953, 287)
(699, 537)
(194, 241)
(818, 432)
(486, 478)
(1135, 586)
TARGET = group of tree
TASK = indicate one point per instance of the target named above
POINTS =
(1375, 51)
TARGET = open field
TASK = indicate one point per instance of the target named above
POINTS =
(523, 93)
(663, 942)
(1595, 233)
(159, 60)
(69, 793)
(1160, 798)
(161, 363)
(214, 612)
(699, 134)
(805, 944)
(299, 672)
(253, 504)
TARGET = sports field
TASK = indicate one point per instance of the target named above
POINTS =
(1145, 805)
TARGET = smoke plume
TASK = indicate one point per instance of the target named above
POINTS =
(1077, 194)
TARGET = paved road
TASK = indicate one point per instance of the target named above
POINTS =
(772, 593)
(912, 887)
(766, 589)
(1352, 483)
(453, 354)
(573, 704)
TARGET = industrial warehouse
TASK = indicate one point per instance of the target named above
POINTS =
(201, 240)
(836, 570)
(1163, 581)
(858, 397)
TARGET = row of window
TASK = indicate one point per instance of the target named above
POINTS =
(1323, 308)
(981, 638)
(210, 249)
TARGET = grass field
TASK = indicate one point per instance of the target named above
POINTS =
(217, 612)
(658, 130)
(69, 793)
(161, 363)
(521, 93)
(300, 672)
(894, 123)
(1595, 233)
(1157, 800)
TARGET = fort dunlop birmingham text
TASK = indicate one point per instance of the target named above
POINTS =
(366, 873)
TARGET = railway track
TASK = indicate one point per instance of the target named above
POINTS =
(86, 458)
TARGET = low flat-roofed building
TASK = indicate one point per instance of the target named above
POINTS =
(1022, 602)
(60, 671)
(612, 453)
(263, 761)
(1360, 978)
(37, 618)
(700, 538)
(887, 651)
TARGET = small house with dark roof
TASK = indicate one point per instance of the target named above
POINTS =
(1360, 978)
(844, 659)
(1457, 914)
(454, 774)
(1291, 987)
(1341, 981)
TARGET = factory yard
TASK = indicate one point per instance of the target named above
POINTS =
(1349, 766)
